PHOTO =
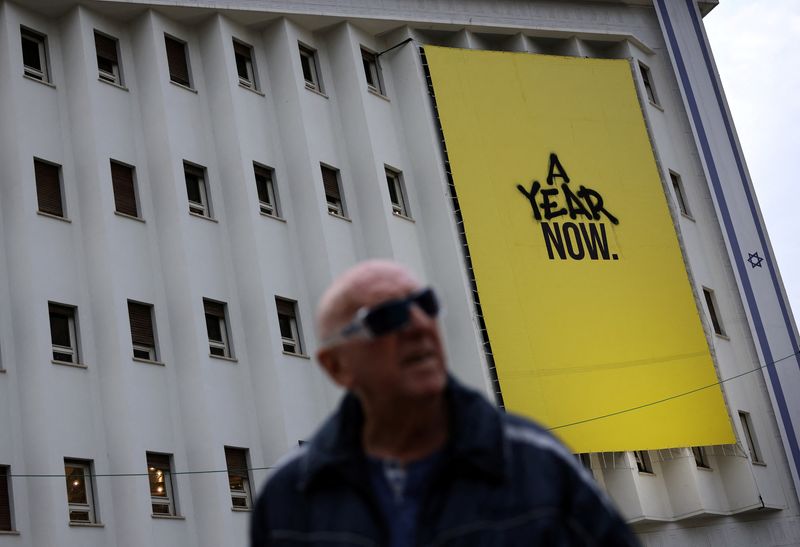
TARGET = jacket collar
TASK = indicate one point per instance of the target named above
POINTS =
(476, 445)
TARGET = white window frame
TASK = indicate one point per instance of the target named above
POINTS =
(648, 84)
(115, 76)
(270, 208)
(250, 65)
(42, 74)
(750, 438)
(372, 68)
(89, 507)
(200, 173)
(295, 339)
(712, 308)
(310, 53)
(225, 343)
(168, 499)
(245, 493)
(338, 207)
(644, 464)
(72, 349)
(394, 179)
(680, 193)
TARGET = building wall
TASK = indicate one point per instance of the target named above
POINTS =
(191, 404)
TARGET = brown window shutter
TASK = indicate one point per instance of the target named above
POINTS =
(5, 501)
(141, 318)
(124, 194)
(48, 188)
(331, 183)
(176, 59)
(236, 459)
(106, 47)
(216, 309)
(285, 307)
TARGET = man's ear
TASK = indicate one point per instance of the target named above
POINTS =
(331, 362)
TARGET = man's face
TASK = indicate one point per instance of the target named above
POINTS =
(406, 363)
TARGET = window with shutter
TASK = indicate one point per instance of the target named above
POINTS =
(107, 58)
(178, 62)
(196, 189)
(124, 190)
(142, 332)
(6, 525)
(372, 71)
(238, 477)
(159, 472)
(217, 328)
(288, 325)
(243, 55)
(333, 194)
(48, 187)
(397, 194)
(310, 68)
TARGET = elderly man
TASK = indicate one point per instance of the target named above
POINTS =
(411, 457)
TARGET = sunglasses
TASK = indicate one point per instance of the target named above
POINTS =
(389, 316)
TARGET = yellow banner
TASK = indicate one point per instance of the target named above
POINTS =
(586, 297)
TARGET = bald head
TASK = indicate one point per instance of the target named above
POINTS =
(365, 284)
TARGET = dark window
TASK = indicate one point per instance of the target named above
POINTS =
(700, 458)
(48, 188)
(178, 61)
(287, 322)
(397, 195)
(217, 328)
(309, 64)
(677, 186)
(124, 191)
(750, 437)
(107, 58)
(333, 194)
(266, 190)
(142, 332)
(196, 189)
(238, 477)
(647, 80)
(162, 492)
(372, 71)
(5, 500)
(712, 311)
(244, 64)
(34, 54)
(643, 463)
(63, 333)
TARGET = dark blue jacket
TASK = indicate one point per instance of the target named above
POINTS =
(505, 482)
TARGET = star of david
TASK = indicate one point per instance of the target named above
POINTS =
(755, 260)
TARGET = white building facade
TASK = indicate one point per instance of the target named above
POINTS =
(180, 181)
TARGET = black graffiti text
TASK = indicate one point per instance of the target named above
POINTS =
(579, 241)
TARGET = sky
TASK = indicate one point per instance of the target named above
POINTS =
(755, 44)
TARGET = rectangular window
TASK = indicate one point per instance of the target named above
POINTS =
(643, 463)
(48, 187)
(309, 64)
(63, 333)
(333, 193)
(34, 54)
(162, 491)
(142, 331)
(750, 437)
(217, 328)
(197, 189)
(178, 61)
(245, 67)
(712, 311)
(6, 522)
(372, 71)
(287, 321)
(265, 185)
(647, 80)
(122, 181)
(700, 458)
(238, 477)
(107, 49)
(397, 194)
(80, 491)
(677, 186)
